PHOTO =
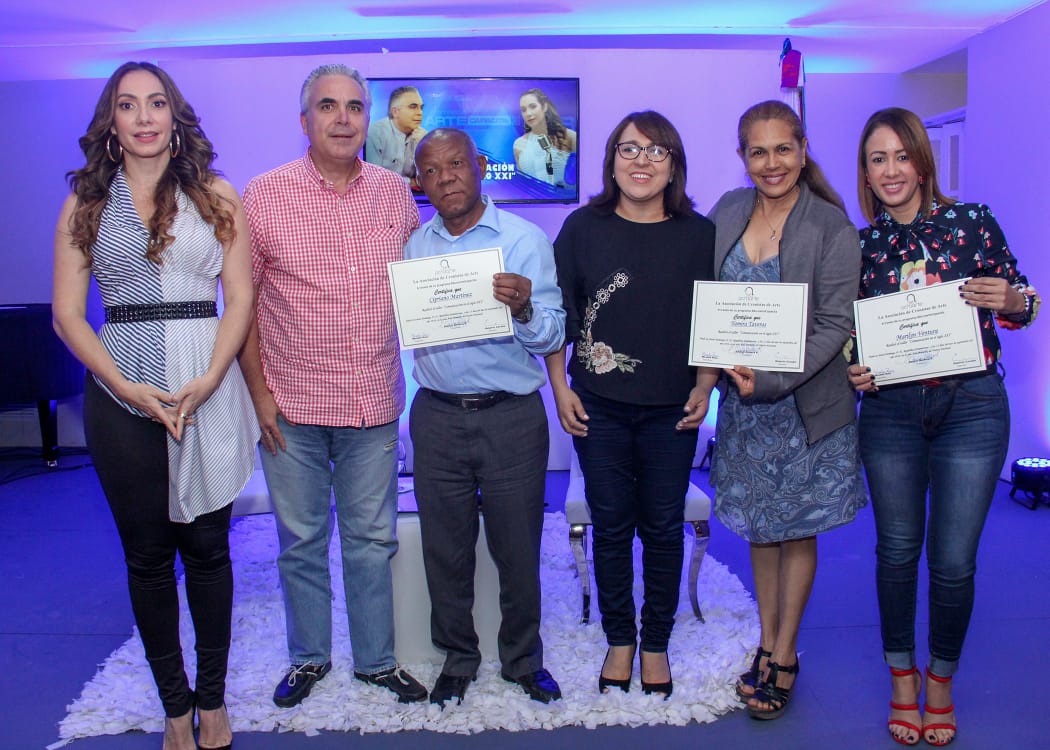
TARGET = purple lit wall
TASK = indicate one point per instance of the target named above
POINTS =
(1008, 109)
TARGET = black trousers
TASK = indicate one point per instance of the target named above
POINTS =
(497, 456)
(130, 454)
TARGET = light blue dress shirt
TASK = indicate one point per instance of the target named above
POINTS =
(500, 364)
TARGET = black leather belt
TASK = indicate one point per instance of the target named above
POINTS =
(471, 401)
(160, 311)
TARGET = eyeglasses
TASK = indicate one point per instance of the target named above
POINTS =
(632, 150)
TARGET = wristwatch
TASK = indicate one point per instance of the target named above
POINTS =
(526, 313)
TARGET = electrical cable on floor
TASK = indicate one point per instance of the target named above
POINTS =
(28, 463)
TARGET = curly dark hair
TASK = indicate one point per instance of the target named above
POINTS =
(659, 130)
(190, 171)
(555, 127)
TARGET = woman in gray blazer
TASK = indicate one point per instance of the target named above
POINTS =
(787, 465)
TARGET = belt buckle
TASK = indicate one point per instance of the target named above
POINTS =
(472, 403)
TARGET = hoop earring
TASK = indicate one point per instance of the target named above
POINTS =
(175, 146)
(109, 150)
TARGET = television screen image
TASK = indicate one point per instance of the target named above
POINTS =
(525, 127)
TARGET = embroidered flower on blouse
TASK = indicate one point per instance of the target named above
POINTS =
(603, 358)
(597, 356)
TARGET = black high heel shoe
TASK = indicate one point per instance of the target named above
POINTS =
(768, 692)
(750, 678)
(604, 683)
(664, 688)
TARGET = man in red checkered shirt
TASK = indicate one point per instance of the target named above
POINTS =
(324, 370)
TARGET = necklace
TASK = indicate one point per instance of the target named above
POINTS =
(773, 229)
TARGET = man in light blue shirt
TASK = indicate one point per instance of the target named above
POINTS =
(479, 429)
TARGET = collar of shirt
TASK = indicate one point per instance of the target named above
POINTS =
(314, 174)
(926, 233)
(489, 219)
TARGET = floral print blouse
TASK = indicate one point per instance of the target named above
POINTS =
(627, 292)
(952, 241)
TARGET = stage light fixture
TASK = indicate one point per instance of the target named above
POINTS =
(1032, 477)
(709, 454)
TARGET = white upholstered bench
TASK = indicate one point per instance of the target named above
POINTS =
(411, 599)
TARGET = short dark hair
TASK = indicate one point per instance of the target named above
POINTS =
(445, 134)
(659, 130)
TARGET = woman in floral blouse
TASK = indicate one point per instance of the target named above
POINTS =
(626, 265)
(946, 436)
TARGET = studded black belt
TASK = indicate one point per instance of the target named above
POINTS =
(160, 311)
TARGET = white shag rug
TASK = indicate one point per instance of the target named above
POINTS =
(705, 657)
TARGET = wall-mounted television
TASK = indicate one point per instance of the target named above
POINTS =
(526, 127)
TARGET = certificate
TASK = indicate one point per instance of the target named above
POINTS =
(760, 325)
(446, 299)
(922, 333)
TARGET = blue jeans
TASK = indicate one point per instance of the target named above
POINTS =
(636, 472)
(950, 440)
(361, 466)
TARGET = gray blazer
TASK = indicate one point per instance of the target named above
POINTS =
(819, 247)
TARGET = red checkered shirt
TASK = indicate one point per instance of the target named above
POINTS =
(326, 320)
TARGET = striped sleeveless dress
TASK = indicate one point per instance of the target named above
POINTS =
(216, 456)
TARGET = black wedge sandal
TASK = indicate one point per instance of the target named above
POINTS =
(750, 678)
(769, 693)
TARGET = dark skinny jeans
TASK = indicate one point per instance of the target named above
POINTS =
(131, 458)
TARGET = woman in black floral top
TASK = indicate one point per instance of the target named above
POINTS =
(948, 436)
(626, 265)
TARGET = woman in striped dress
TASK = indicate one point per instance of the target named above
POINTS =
(167, 417)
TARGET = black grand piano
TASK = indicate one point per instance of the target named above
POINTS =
(36, 368)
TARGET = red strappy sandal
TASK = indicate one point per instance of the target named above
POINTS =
(927, 728)
(905, 707)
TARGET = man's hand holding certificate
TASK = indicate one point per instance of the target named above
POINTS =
(446, 299)
(928, 332)
(760, 325)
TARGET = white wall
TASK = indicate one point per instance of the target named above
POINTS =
(249, 108)
(838, 105)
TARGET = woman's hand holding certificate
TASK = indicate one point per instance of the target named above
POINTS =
(761, 325)
(927, 332)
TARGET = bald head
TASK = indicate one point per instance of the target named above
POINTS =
(450, 172)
